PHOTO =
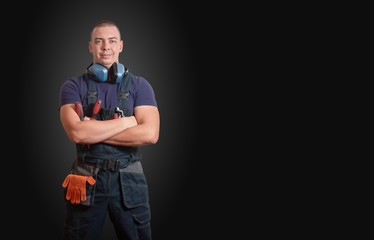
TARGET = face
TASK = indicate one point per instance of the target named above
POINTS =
(105, 45)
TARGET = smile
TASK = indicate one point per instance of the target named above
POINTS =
(105, 54)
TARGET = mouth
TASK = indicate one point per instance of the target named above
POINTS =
(105, 55)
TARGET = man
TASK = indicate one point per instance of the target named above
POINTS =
(108, 113)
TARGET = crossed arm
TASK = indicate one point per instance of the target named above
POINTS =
(143, 129)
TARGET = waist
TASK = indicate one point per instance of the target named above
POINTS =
(110, 164)
(108, 157)
(106, 151)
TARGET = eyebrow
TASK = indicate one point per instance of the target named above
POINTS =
(104, 38)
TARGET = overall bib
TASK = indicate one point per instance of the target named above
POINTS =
(120, 189)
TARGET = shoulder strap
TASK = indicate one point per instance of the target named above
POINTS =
(91, 90)
(125, 87)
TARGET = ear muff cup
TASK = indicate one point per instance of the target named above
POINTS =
(102, 74)
(118, 72)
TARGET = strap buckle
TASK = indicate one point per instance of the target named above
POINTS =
(111, 165)
(124, 95)
(91, 94)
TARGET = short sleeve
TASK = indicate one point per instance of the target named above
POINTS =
(144, 93)
(69, 93)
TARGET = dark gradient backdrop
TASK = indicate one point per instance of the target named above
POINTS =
(160, 41)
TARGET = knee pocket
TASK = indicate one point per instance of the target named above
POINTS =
(143, 224)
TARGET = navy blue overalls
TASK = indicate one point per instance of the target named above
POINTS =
(120, 188)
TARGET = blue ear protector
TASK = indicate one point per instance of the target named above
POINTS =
(102, 74)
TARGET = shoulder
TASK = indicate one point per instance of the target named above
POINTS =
(75, 82)
(72, 90)
(142, 91)
(139, 84)
(139, 81)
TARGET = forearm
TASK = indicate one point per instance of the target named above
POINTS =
(145, 132)
(91, 132)
(139, 135)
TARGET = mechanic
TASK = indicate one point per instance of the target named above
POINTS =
(108, 113)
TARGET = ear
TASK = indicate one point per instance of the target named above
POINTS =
(121, 46)
(90, 46)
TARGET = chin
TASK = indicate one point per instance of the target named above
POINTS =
(106, 64)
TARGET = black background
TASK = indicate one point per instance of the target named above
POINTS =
(218, 70)
(167, 43)
(193, 53)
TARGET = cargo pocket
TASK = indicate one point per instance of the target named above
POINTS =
(89, 195)
(80, 168)
(90, 192)
(143, 225)
(134, 186)
(134, 189)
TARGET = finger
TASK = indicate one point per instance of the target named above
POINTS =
(90, 180)
(66, 181)
(83, 196)
(77, 197)
(68, 194)
(73, 197)
(83, 192)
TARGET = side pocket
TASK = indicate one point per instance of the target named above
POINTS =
(84, 169)
(89, 195)
(134, 189)
(134, 186)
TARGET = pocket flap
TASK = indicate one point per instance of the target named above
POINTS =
(134, 189)
(142, 217)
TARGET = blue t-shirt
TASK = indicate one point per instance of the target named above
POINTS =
(140, 93)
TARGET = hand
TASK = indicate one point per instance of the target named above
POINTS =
(131, 121)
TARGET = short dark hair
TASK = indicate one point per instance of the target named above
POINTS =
(104, 23)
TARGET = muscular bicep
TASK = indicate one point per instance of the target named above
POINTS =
(149, 117)
(69, 118)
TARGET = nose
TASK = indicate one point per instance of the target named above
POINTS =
(105, 45)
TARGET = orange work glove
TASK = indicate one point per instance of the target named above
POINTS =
(77, 187)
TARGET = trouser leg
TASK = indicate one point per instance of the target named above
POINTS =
(132, 224)
(86, 222)
(83, 222)
(129, 223)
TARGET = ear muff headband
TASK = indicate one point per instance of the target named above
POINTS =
(116, 72)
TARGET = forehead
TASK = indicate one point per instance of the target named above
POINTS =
(105, 32)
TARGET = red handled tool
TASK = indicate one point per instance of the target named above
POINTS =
(79, 110)
(96, 109)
